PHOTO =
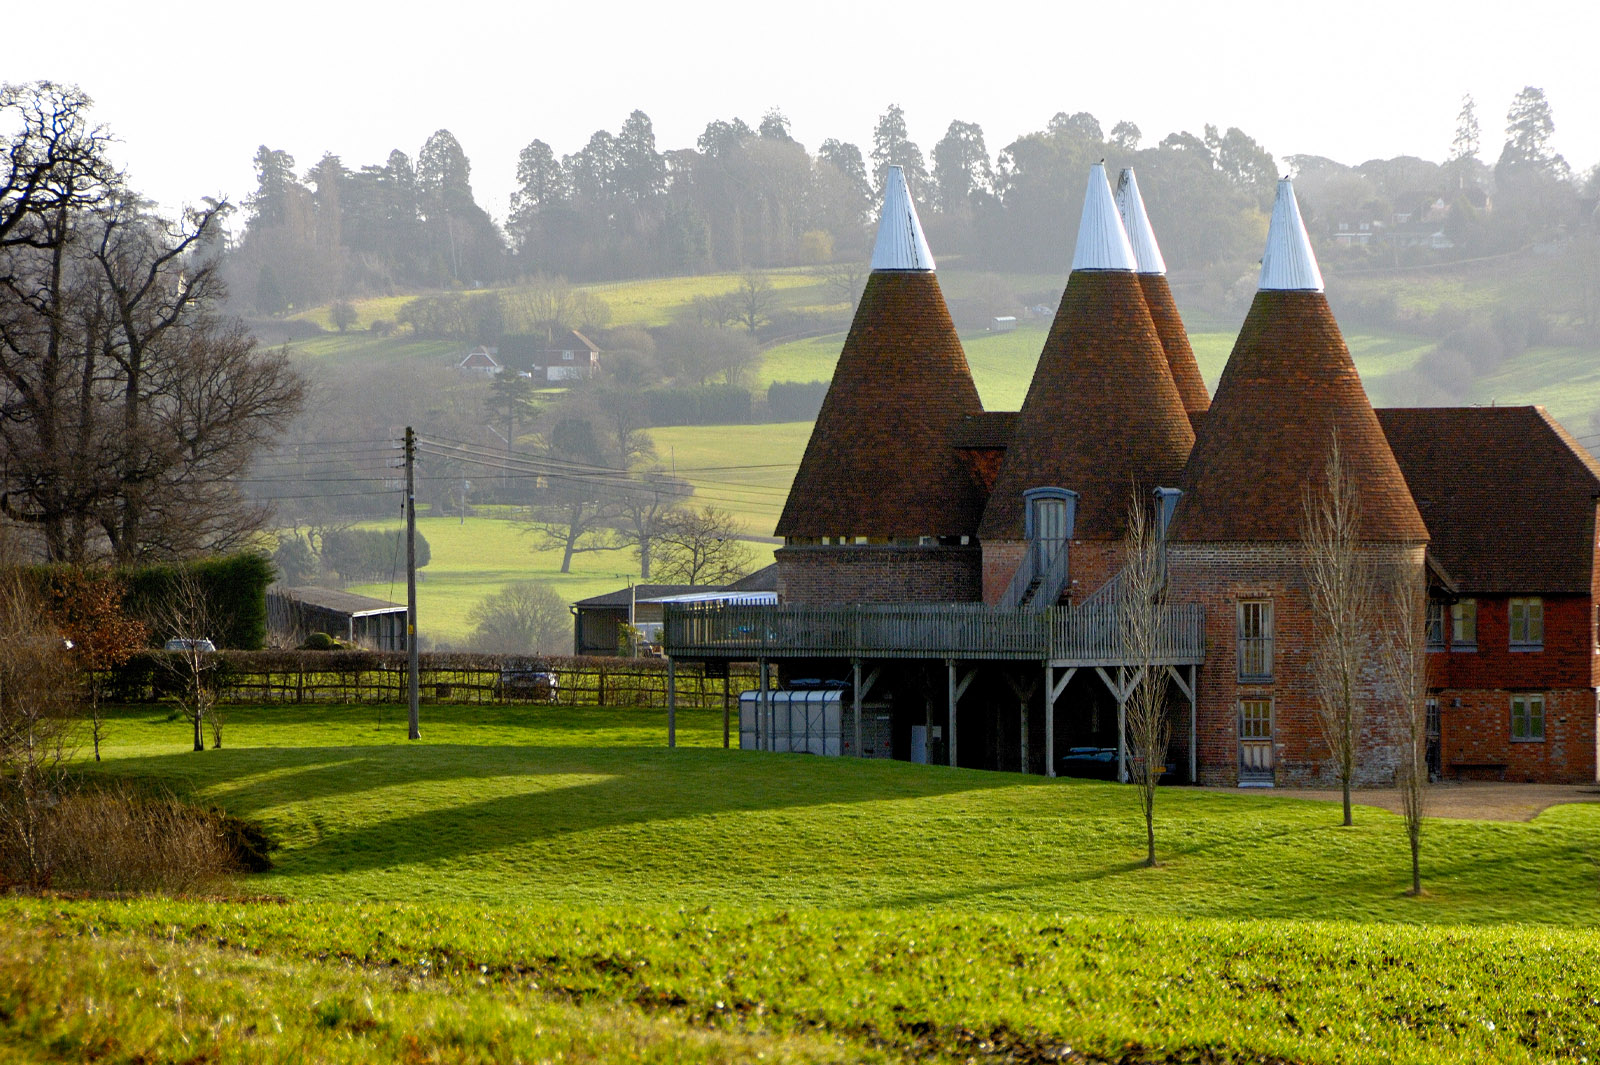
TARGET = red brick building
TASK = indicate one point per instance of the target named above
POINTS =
(961, 565)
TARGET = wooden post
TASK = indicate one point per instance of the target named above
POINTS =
(1194, 711)
(763, 713)
(1122, 723)
(1022, 706)
(1049, 721)
(413, 729)
(855, 666)
(950, 670)
(672, 702)
(727, 683)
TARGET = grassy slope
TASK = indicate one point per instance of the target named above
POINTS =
(585, 892)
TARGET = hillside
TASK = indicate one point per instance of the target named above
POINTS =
(747, 469)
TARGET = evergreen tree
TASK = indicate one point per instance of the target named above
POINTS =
(1466, 142)
(893, 146)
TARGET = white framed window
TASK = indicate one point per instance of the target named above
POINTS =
(1464, 625)
(1527, 717)
(1527, 624)
(1255, 640)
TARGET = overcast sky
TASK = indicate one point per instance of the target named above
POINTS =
(192, 88)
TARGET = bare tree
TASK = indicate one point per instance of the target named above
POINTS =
(700, 547)
(577, 520)
(1341, 587)
(753, 301)
(844, 281)
(1404, 655)
(1141, 618)
(38, 694)
(185, 621)
(524, 617)
(645, 505)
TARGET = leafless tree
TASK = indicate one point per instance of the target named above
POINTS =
(1404, 654)
(1142, 600)
(579, 518)
(186, 621)
(644, 507)
(1341, 588)
(38, 697)
(754, 301)
(700, 547)
(524, 617)
(844, 281)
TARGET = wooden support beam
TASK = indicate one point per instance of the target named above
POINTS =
(1024, 694)
(855, 687)
(727, 682)
(763, 711)
(672, 702)
(1194, 713)
(950, 670)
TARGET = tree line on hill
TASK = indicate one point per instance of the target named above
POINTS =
(753, 197)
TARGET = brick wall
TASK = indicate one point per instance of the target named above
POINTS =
(1477, 732)
(879, 574)
(1567, 661)
(1218, 576)
(1093, 562)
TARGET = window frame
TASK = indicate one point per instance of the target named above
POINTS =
(1531, 623)
(1434, 626)
(1253, 649)
(1460, 609)
(1529, 701)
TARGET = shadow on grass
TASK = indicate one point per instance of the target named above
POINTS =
(636, 786)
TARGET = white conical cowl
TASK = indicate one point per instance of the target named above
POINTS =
(1102, 243)
(1289, 263)
(900, 245)
(1141, 237)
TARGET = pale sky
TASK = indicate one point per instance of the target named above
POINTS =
(191, 89)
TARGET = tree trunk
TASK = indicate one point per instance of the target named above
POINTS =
(1150, 834)
(1347, 820)
(1416, 865)
(199, 735)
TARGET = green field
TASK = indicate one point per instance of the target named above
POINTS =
(543, 882)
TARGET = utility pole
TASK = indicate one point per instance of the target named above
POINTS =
(411, 578)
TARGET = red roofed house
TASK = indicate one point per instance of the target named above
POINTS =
(961, 565)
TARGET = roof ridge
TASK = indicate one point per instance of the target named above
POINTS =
(1136, 223)
(901, 244)
(1102, 242)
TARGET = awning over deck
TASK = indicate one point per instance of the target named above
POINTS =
(1085, 635)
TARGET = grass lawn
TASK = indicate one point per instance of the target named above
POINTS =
(553, 881)
(478, 557)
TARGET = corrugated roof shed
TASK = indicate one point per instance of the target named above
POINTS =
(1508, 496)
(342, 602)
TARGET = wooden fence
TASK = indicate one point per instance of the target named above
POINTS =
(380, 677)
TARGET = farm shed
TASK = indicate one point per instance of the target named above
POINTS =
(296, 613)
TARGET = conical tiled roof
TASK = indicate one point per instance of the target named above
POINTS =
(880, 460)
(1290, 388)
(1102, 414)
(1158, 294)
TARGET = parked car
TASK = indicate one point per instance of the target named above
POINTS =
(189, 645)
(538, 685)
(1100, 763)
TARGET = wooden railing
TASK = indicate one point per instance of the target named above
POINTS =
(1086, 635)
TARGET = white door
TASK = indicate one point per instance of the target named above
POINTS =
(1255, 741)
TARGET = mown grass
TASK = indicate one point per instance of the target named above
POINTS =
(543, 883)
(509, 806)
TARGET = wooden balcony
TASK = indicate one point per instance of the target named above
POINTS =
(1086, 635)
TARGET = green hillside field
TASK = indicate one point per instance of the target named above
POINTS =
(553, 883)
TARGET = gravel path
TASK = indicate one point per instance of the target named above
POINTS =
(1470, 800)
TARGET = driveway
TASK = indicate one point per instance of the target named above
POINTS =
(1467, 800)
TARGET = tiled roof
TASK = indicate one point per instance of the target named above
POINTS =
(1508, 496)
(987, 431)
(1289, 386)
(1175, 342)
(625, 596)
(1102, 414)
(879, 462)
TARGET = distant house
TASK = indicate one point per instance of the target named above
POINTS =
(295, 613)
(568, 356)
(481, 360)
(1003, 323)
